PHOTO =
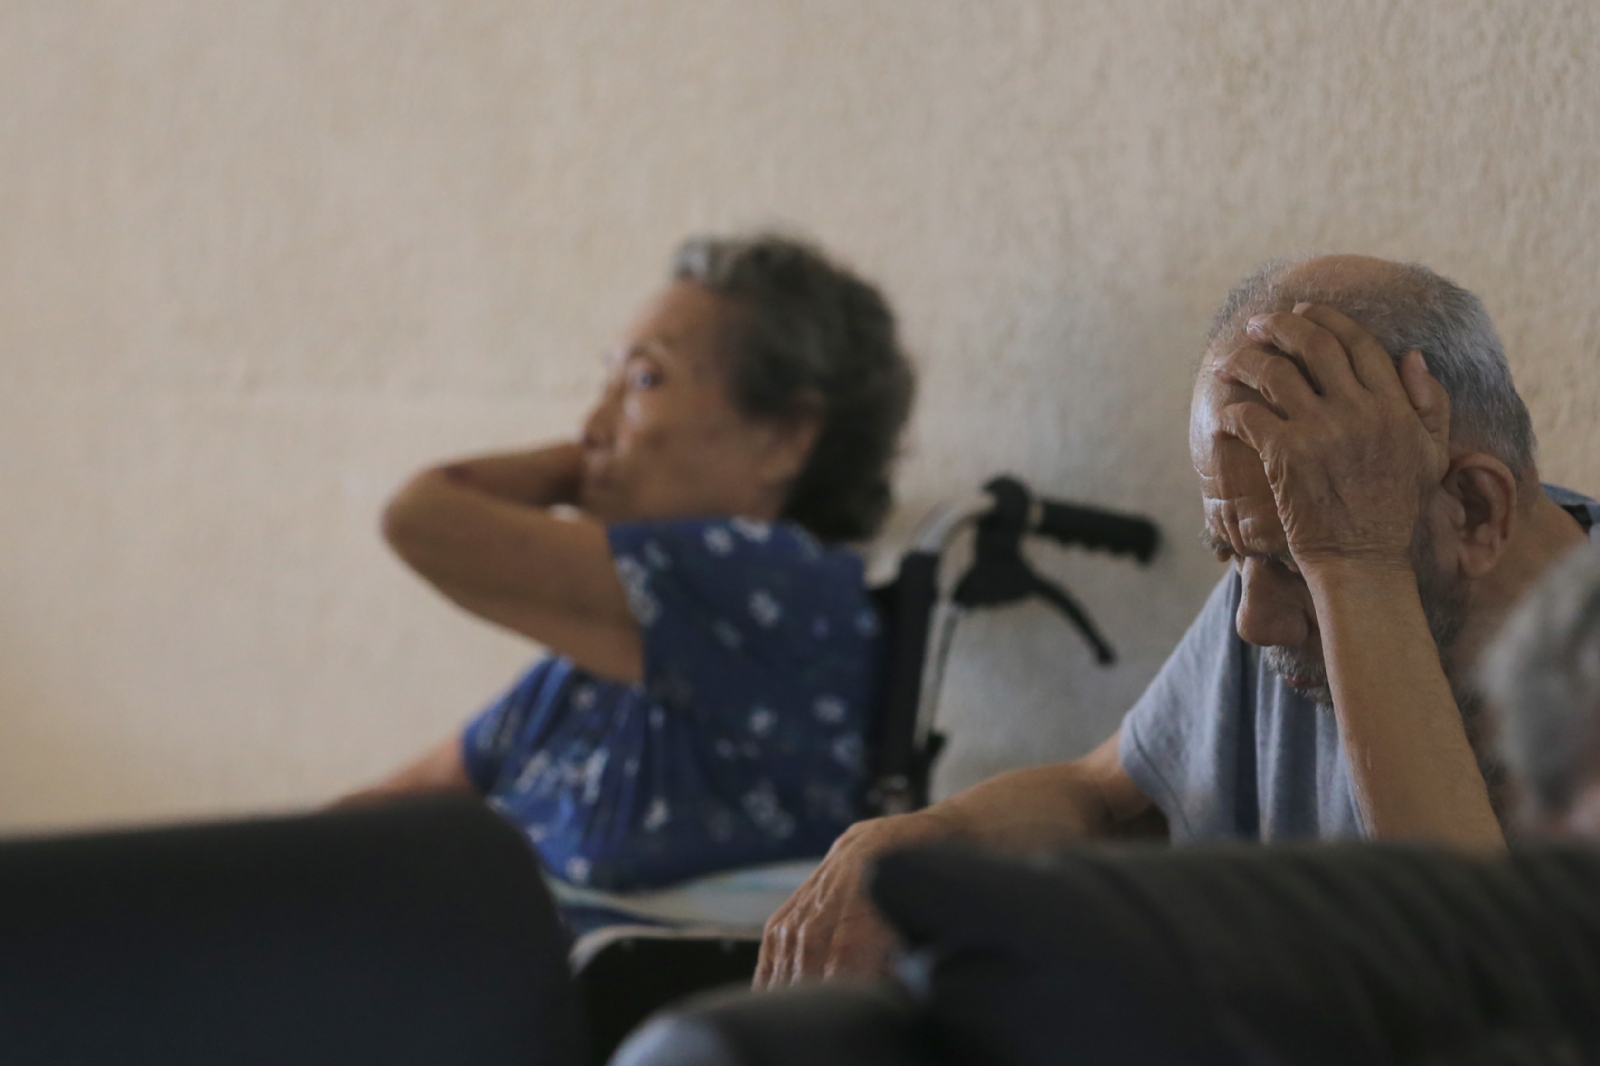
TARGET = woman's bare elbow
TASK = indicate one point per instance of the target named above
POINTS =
(401, 522)
(394, 524)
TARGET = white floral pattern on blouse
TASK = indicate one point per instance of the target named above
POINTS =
(743, 745)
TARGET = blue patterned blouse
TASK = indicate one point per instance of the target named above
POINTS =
(747, 741)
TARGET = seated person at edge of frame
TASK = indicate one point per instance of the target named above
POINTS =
(1368, 468)
(1542, 676)
(715, 655)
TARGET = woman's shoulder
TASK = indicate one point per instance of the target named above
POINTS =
(729, 542)
(752, 582)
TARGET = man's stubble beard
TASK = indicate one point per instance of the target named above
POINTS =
(1446, 603)
(1309, 679)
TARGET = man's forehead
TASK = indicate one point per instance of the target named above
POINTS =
(1240, 510)
(1239, 506)
(1245, 526)
(1237, 496)
(1244, 530)
(1227, 466)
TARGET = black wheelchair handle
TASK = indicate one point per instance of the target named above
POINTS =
(1090, 527)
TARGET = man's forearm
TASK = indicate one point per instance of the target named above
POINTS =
(1414, 771)
(1037, 809)
(1045, 808)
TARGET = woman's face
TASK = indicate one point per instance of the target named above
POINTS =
(665, 440)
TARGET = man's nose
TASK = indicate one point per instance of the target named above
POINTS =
(1272, 613)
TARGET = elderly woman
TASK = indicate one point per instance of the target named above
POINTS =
(714, 654)
(1543, 675)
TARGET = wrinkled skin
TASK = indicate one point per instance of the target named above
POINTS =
(829, 927)
(1321, 466)
(1328, 456)
(1351, 448)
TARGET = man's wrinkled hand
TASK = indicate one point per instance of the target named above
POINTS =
(829, 928)
(1351, 444)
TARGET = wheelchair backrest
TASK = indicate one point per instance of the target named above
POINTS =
(903, 757)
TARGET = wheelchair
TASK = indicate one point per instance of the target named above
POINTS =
(708, 932)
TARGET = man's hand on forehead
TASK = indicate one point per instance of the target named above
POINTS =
(1349, 443)
(1240, 509)
(1238, 500)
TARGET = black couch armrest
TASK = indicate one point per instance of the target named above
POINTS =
(835, 1024)
(411, 933)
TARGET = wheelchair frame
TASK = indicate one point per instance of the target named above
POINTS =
(923, 610)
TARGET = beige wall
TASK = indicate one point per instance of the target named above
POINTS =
(260, 258)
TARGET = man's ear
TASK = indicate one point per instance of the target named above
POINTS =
(792, 439)
(1482, 495)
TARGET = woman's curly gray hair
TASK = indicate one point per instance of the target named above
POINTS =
(809, 332)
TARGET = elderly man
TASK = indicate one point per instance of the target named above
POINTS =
(1368, 468)
(1543, 676)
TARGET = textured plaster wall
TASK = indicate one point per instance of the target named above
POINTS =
(261, 258)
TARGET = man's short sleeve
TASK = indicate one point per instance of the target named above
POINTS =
(1180, 742)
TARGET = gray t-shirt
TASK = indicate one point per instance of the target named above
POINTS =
(1227, 750)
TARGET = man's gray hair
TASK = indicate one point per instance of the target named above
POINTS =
(1408, 306)
(1543, 674)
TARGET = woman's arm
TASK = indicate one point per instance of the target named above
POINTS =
(540, 477)
(481, 533)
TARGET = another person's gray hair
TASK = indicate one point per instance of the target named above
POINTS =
(1410, 306)
(812, 337)
(1543, 675)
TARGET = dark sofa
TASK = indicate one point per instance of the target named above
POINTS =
(413, 934)
(1292, 954)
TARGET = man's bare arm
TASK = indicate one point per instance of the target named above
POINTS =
(1042, 808)
(1413, 768)
(829, 927)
